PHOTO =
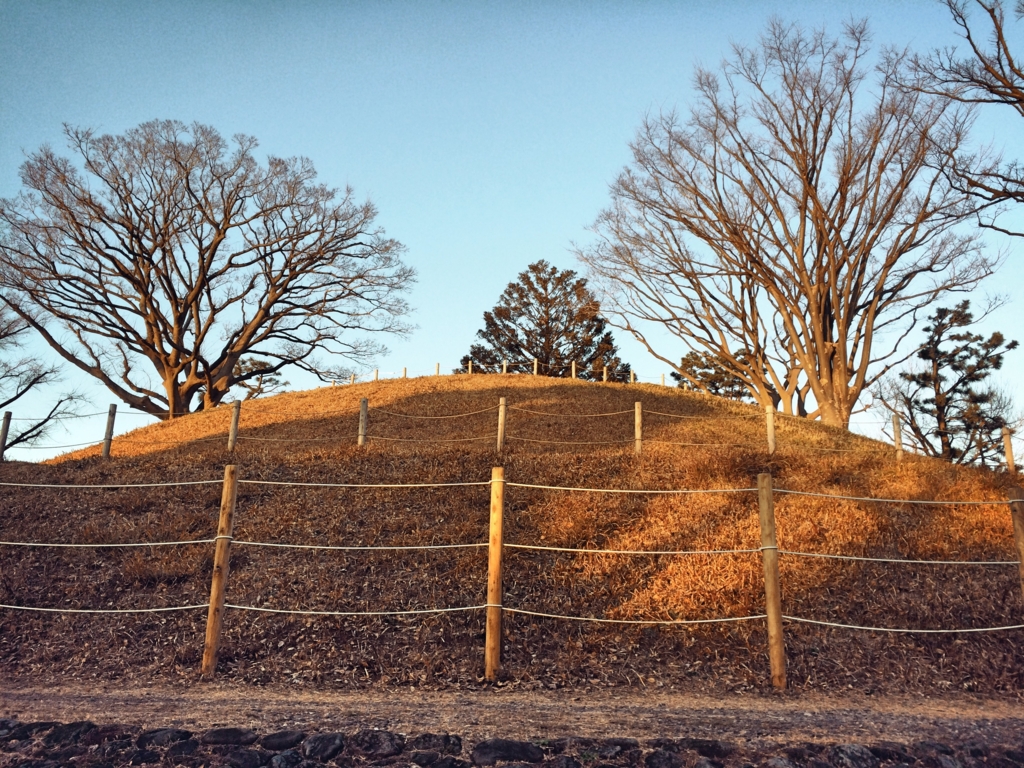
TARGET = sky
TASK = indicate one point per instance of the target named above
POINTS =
(486, 134)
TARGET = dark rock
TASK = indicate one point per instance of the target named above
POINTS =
(669, 745)
(288, 759)
(662, 758)
(998, 761)
(779, 762)
(424, 758)
(115, 748)
(798, 753)
(104, 733)
(244, 758)
(373, 743)
(892, 752)
(26, 730)
(852, 756)
(450, 762)
(707, 747)
(323, 746)
(62, 756)
(144, 757)
(162, 737)
(562, 761)
(815, 763)
(64, 735)
(940, 761)
(624, 743)
(282, 740)
(182, 748)
(490, 751)
(707, 762)
(930, 747)
(235, 736)
(976, 749)
(609, 749)
(1016, 755)
(444, 743)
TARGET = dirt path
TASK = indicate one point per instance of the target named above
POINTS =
(482, 714)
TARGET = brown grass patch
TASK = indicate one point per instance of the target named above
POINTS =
(310, 437)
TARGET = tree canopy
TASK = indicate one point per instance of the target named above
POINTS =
(549, 315)
(169, 256)
(794, 224)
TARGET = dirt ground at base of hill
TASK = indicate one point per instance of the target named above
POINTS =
(477, 715)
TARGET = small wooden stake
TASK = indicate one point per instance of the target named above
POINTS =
(4, 431)
(504, 366)
(632, 376)
(604, 374)
(352, 379)
(1017, 513)
(236, 411)
(501, 424)
(376, 374)
(469, 368)
(364, 407)
(109, 434)
(638, 428)
(535, 366)
(772, 588)
(437, 369)
(221, 563)
(404, 376)
(663, 379)
(1008, 450)
(769, 419)
(574, 369)
(492, 637)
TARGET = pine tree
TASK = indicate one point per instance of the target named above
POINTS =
(714, 378)
(551, 315)
(944, 410)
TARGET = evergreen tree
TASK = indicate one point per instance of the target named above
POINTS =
(714, 378)
(943, 407)
(551, 315)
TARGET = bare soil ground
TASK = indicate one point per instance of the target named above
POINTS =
(477, 715)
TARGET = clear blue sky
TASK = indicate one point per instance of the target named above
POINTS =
(486, 133)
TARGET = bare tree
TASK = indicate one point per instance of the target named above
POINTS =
(801, 212)
(171, 256)
(21, 375)
(989, 74)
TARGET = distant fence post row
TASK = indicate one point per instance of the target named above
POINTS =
(493, 635)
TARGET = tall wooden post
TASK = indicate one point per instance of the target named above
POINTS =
(663, 379)
(492, 637)
(221, 563)
(504, 366)
(632, 376)
(404, 372)
(376, 374)
(604, 374)
(638, 428)
(897, 437)
(108, 436)
(5, 430)
(535, 366)
(437, 369)
(772, 588)
(1017, 513)
(469, 367)
(364, 408)
(769, 423)
(352, 379)
(236, 411)
(574, 369)
(1008, 450)
(501, 425)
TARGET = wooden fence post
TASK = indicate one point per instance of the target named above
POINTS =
(501, 424)
(221, 562)
(352, 379)
(638, 427)
(404, 372)
(376, 374)
(663, 379)
(469, 367)
(4, 431)
(437, 369)
(632, 376)
(772, 588)
(109, 434)
(492, 637)
(1008, 450)
(769, 422)
(897, 437)
(364, 407)
(574, 369)
(504, 366)
(604, 374)
(535, 366)
(1017, 513)
(236, 411)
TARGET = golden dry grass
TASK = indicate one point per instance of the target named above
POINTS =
(310, 437)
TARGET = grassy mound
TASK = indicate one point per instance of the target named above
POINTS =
(690, 441)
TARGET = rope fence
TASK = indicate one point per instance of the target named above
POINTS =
(495, 605)
(501, 436)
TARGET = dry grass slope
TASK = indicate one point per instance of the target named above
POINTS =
(310, 437)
